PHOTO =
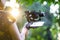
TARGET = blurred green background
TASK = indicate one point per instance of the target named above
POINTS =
(51, 8)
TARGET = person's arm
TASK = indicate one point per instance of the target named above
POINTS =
(16, 35)
(24, 32)
(14, 32)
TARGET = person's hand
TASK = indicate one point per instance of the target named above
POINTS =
(30, 25)
(37, 24)
(27, 25)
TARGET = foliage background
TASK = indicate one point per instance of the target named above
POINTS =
(51, 29)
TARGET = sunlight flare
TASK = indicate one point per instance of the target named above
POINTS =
(14, 7)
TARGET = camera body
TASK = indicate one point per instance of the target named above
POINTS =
(33, 16)
(34, 19)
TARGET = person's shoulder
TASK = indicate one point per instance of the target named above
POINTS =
(7, 15)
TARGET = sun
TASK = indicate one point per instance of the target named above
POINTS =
(14, 7)
(14, 12)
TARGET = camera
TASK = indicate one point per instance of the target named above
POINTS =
(34, 18)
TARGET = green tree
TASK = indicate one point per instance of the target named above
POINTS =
(49, 30)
